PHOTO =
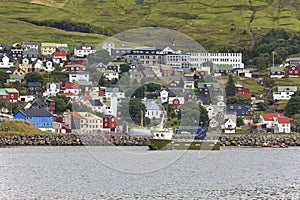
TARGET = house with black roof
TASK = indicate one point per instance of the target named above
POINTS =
(34, 88)
(238, 109)
(39, 117)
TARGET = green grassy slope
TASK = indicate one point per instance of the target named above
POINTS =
(214, 23)
(19, 127)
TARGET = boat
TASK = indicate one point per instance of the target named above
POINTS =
(141, 130)
(162, 139)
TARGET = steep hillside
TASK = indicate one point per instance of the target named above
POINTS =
(214, 24)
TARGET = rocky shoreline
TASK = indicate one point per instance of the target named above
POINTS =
(274, 140)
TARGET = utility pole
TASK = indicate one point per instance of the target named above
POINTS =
(273, 58)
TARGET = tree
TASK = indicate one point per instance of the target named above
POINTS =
(62, 104)
(124, 67)
(153, 87)
(135, 109)
(239, 122)
(3, 77)
(239, 100)
(230, 87)
(262, 106)
(33, 77)
(293, 106)
(139, 92)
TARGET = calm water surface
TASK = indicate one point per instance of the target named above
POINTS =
(136, 173)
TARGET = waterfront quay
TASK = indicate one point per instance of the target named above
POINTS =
(120, 139)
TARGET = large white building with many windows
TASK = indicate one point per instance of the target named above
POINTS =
(234, 59)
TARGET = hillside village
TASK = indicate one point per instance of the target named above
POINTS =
(64, 91)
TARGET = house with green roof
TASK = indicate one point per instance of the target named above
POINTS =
(9, 94)
(284, 92)
(15, 78)
(277, 72)
(31, 54)
(222, 70)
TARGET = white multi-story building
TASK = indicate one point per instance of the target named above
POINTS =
(235, 59)
(80, 77)
(82, 50)
(178, 60)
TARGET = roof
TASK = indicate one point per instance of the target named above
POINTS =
(106, 116)
(287, 88)
(110, 72)
(222, 67)
(34, 84)
(270, 116)
(3, 92)
(148, 71)
(70, 85)
(80, 46)
(152, 105)
(283, 120)
(60, 53)
(162, 47)
(17, 76)
(30, 43)
(31, 52)
(276, 69)
(188, 78)
(11, 90)
(80, 72)
(95, 102)
(112, 89)
(75, 114)
(48, 45)
(68, 94)
(38, 112)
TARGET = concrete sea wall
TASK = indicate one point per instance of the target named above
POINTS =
(277, 140)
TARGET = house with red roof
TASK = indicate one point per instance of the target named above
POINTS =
(72, 88)
(276, 122)
(60, 55)
(294, 70)
(242, 91)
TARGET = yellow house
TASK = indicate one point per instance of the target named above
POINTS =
(47, 49)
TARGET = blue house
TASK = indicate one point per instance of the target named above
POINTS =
(39, 117)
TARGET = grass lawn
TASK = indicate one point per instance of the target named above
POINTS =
(20, 127)
(214, 24)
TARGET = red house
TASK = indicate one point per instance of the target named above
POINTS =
(242, 91)
(109, 123)
(9, 94)
(294, 70)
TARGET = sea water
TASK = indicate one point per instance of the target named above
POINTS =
(137, 173)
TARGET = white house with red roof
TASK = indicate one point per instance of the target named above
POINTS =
(277, 122)
(72, 88)
(60, 54)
